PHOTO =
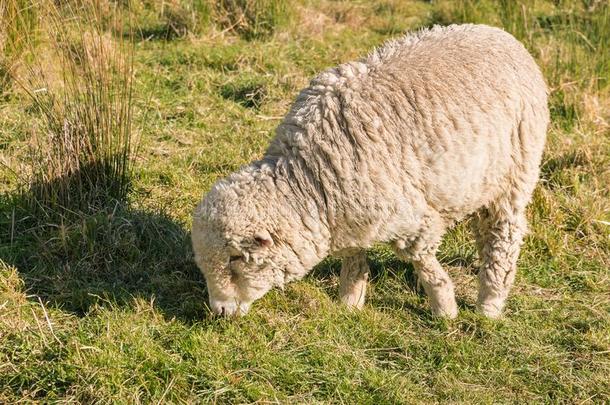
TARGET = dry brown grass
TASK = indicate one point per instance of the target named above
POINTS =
(18, 21)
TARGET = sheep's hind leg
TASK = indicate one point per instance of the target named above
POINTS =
(499, 233)
(353, 282)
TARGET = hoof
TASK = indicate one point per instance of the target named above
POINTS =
(353, 301)
(447, 312)
(491, 308)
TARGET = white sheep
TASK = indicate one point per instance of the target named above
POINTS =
(397, 147)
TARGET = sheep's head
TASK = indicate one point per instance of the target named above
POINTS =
(236, 248)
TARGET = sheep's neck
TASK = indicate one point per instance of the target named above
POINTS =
(304, 215)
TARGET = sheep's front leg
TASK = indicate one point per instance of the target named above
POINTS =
(438, 286)
(354, 277)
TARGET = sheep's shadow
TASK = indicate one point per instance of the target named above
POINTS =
(107, 255)
(111, 254)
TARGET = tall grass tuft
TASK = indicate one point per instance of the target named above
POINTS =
(81, 93)
(18, 20)
(252, 19)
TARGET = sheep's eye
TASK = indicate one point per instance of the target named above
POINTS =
(235, 258)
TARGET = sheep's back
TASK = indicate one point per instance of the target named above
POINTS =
(448, 118)
(460, 111)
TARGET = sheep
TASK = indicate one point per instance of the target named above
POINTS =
(397, 147)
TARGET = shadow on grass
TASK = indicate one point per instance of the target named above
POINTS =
(103, 255)
(249, 92)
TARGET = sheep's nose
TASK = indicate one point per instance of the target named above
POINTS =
(229, 308)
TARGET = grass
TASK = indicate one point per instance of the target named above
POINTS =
(106, 305)
(252, 18)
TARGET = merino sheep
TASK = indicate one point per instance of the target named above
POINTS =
(396, 147)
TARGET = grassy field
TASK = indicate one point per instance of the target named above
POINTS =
(103, 303)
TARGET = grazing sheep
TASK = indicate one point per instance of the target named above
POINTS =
(397, 148)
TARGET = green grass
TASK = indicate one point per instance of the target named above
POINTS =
(107, 305)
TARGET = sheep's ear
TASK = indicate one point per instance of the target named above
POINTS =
(263, 239)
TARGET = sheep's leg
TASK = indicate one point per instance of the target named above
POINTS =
(421, 251)
(437, 285)
(499, 234)
(436, 282)
(354, 277)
